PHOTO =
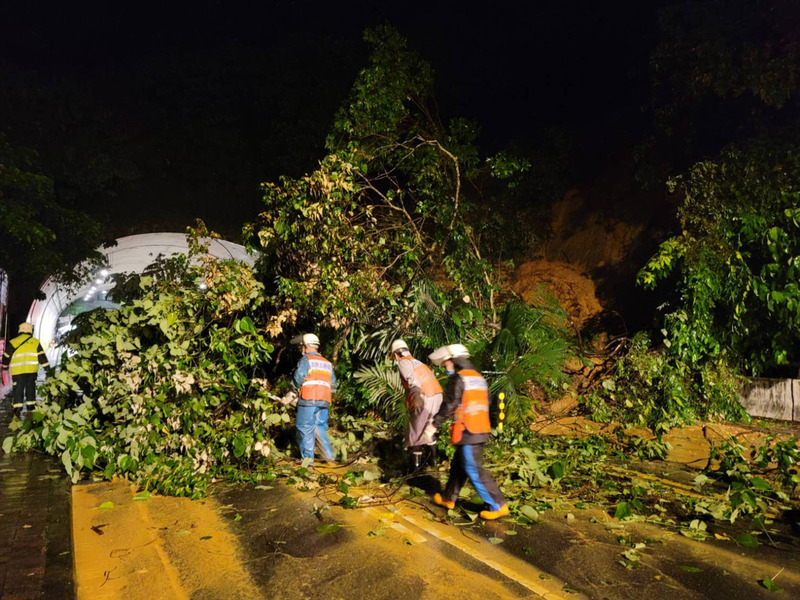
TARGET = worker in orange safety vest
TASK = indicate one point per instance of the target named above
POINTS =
(315, 383)
(423, 399)
(466, 399)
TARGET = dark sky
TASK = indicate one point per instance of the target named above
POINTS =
(515, 65)
(518, 68)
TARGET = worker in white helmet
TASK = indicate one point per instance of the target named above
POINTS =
(23, 356)
(315, 382)
(466, 399)
(423, 399)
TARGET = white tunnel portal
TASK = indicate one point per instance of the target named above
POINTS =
(131, 255)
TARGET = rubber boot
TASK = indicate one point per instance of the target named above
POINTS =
(417, 458)
(432, 455)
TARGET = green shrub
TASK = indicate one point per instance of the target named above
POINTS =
(165, 390)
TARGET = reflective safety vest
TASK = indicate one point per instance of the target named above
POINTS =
(27, 355)
(472, 414)
(317, 384)
(426, 380)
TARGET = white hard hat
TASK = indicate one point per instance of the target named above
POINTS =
(444, 353)
(307, 339)
(25, 328)
(399, 345)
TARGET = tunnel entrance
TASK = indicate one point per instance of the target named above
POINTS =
(52, 316)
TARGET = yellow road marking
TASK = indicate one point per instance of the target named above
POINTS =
(513, 568)
(388, 517)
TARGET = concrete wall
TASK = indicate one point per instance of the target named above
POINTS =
(772, 398)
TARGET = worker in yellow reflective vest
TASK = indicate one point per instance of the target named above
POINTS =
(423, 399)
(23, 356)
(466, 400)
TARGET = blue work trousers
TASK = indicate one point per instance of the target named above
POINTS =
(468, 464)
(312, 425)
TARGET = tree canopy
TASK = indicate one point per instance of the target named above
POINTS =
(390, 204)
(41, 238)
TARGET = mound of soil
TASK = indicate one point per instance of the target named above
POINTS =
(536, 280)
(590, 238)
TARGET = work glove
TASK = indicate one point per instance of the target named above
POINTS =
(430, 431)
(418, 401)
(289, 399)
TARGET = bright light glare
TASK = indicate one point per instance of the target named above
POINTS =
(98, 281)
(104, 273)
(203, 286)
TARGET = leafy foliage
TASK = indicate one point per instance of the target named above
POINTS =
(522, 358)
(40, 237)
(164, 390)
(723, 72)
(654, 388)
(384, 393)
(736, 260)
(538, 472)
(525, 357)
(385, 209)
(720, 63)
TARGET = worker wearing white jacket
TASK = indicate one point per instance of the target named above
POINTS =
(423, 399)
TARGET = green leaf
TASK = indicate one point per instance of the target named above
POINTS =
(496, 540)
(529, 512)
(760, 484)
(329, 528)
(371, 475)
(769, 584)
(747, 539)
(143, 495)
(557, 470)
(623, 511)
(106, 505)
(66, 460)
(691, 569)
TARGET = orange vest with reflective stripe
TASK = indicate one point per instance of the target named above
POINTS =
(317, 384)
(473, 413)
(428, 384)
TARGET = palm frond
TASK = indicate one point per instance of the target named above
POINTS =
(384, 393)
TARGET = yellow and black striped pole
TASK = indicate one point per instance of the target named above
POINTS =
(502, 406)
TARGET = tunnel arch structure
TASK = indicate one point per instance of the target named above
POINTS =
(131, 254)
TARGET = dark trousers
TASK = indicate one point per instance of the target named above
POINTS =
(468, 464)
(24, 390)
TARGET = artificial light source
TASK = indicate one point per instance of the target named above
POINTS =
(98, 281)
(104, 273)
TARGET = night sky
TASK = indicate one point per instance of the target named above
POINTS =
(213, 97)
